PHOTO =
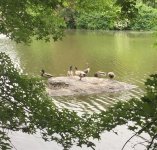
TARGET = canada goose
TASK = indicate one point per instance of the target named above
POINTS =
(70, 71)
(44, 74)
(86, 71)
(100, 74)
(79, 73)
(111, 75)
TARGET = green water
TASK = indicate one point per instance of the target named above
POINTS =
(130, 55)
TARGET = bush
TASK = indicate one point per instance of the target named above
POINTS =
(146, 18)
(96, 20)
(26, 107)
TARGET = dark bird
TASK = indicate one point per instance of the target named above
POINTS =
(46, 75)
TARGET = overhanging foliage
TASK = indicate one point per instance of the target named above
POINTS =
(25, 106)
(21, 20)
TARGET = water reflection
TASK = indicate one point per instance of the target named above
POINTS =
(129, 54)
(96, 102)
(9, 48)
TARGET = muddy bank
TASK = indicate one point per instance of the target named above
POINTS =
(64, 86)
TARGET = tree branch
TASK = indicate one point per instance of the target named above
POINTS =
(141, 143)
(152, 141)
(140, 131)
(129, 140)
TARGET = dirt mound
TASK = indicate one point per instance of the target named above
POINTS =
(64, 86)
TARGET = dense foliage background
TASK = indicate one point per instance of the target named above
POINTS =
(22, 20)
(119, 15)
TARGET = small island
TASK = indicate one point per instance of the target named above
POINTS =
(66, 86)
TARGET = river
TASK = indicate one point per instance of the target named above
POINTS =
(130, 55)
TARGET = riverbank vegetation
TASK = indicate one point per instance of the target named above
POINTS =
(114, 15)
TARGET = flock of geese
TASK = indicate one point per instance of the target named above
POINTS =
(81, 73)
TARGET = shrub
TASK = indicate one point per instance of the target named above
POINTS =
(146, 18)
(96, 20)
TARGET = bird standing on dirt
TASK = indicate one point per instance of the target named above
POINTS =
(79, 73)
(100, 74)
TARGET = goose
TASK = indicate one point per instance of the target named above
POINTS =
(46, 75)
(100, 74)
(79, 73)
(70, 71)
(111, 75)
(86, 71)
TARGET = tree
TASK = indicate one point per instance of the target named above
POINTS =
(25, 106)
(128, 8)
(21, 20)
(151, 3)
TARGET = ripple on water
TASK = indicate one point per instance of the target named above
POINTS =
(9, 47)
(97, 102)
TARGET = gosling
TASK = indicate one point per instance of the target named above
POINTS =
(111, 75)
